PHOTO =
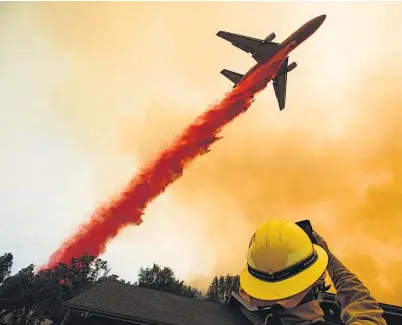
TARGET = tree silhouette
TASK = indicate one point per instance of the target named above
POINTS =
(6, 263)
(26, 297)
(163, 279)
(221, 287)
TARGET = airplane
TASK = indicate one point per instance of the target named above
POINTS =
(263, 50)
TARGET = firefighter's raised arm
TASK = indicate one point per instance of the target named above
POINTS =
(357, 305)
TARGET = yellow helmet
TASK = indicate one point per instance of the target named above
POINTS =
(281, 261)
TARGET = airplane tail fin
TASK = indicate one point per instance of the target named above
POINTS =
(232, 76)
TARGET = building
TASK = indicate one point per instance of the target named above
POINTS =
(115, 303)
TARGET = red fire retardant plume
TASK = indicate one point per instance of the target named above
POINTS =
(152, 180)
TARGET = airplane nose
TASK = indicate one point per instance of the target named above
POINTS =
(319, 20)
(322, 18)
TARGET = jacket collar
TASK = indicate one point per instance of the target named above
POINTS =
(307, 313)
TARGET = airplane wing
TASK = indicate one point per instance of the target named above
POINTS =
(232, 76)
(259, 49)
(280, 83)
(245, 43)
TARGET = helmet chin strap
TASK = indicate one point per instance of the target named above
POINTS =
(315, 293)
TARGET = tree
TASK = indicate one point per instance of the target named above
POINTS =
(236, 283)
(163, 279)
(221, 287)
(6, 263)
(17, 297)
(213, 290)
(53, 287)
(50, 293)
(116, 278)
(26, 296)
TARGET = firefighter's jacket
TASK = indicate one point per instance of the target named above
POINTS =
(357, 306)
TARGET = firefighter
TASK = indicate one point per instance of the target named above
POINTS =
(286, 271)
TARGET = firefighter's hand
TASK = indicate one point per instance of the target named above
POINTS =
(321, 242)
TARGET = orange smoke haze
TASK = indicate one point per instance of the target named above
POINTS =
(334, 155)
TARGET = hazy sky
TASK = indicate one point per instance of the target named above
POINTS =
(90, 91)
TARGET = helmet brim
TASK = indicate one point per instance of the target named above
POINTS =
(287, 288)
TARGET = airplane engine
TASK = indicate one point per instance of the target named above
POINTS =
(291, 66)
(269, 38)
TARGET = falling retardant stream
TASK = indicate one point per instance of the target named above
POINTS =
(128, 207)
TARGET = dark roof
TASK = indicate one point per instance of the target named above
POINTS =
(123, 301)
